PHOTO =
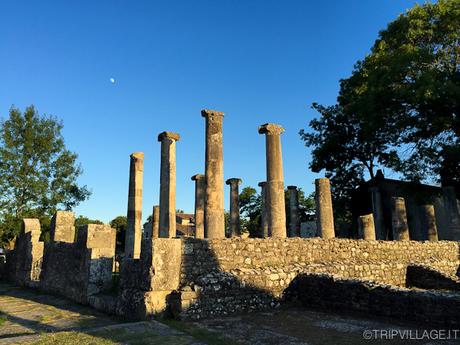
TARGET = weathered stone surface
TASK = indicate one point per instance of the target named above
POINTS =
(275, 180)
(167, 261)
(62, 227)
(81, 269)
(167, 227)
(235, 229)
(399, 220)
(428, 222)
(263, 206)
(366, 227)
(324, 210)
(133, 228)
(200, 191)
(214, 221)
(294, 223)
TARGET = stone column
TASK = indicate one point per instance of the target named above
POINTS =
(235, 229)
(264, 220)
(200, 190)
(276, 210)
(294, 224)
(133, 228)
(156, 221)
(167, 227)
(366, 227)
(428, 220)
(63, 227)
(399, 220)
(214, 219)
(453, 213)
(324, 210)
(378, 213)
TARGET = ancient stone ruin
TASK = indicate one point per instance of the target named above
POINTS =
(213, 274)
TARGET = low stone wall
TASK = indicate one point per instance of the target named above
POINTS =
(230, 275)
(82, 269)
(436, 309)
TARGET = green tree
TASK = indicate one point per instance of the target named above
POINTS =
(119, 224)
(250, 210)
(38, 174)
(400, 108)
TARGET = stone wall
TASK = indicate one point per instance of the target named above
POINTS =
(323, 291)
(229, 275)
(82, 269)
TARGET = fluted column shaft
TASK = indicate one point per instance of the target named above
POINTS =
(133, 228)
(167, 225)
(200, 190)
(235, 229)
(294, 212)
(214, 219)
(324, 210)
(263, 206)
(399, 219)
(366, 227)
(275, 180)
(428, 220)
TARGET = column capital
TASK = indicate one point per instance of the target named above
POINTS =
(197, 177)
(137, 155)
(168, 135)
(262, 184)
(211, 113)
(271, 129)
(292, 187)
(232, 181)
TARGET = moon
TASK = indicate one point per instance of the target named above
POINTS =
(112, 80)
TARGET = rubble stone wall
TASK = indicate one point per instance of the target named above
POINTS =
(229, 275)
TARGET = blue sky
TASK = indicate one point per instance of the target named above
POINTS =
(257, 61)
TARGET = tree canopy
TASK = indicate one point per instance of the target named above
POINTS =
(400, 108)
(38, 174)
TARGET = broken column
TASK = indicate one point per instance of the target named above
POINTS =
(324, 210)
(168, 184)
(200, 190)
(133, 228)
(377, 211)
(399, 219)
(214, 220)
(263, 206)
(366, 227)
(276, 210)
(294, 212)
(63, 227)
(428, 221)
(452, 210)
(235, 229)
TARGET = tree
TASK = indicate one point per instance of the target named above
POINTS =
(399, 109)
(38, 174)
(409, 86)
(119, 224)
(250, 210)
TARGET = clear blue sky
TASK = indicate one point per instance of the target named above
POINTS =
(257, 61)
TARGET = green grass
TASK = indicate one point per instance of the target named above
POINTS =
(208, 337)
(3, 319)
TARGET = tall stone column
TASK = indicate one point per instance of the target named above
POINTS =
(366, 227)
(324, 210)
(133, 228)
(235, 229)
(428, 220)
(156, 221)
(453, 213)
(377, 211)
(294, 223)
(214, 219)
(264, 216)
(275, 180)
(167, 226)
(200, 190)
(399, 219)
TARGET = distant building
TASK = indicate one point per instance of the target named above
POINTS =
(185, 226)
(374, 196)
